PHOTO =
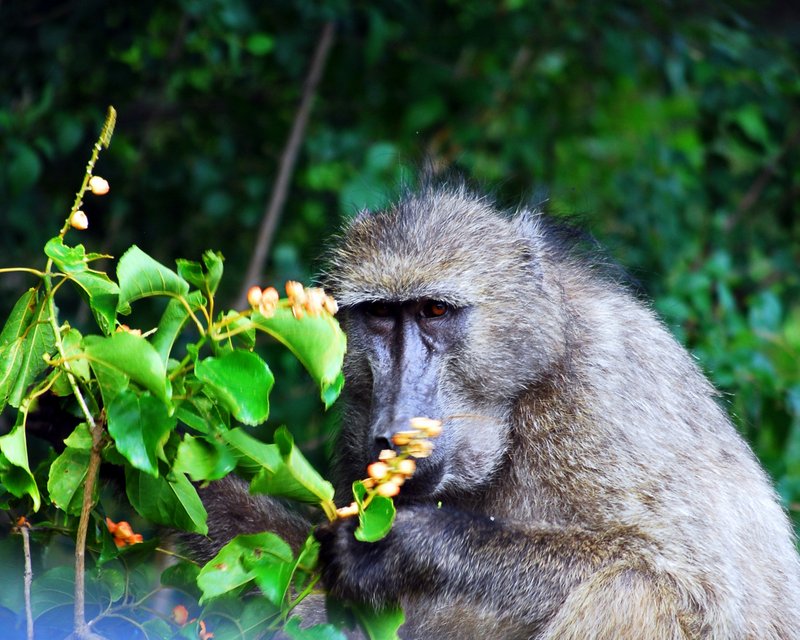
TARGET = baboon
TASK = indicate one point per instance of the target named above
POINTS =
(586, 485)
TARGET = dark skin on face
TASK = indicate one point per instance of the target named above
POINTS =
(408, 343)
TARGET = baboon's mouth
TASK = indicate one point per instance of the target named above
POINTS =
(424, 482)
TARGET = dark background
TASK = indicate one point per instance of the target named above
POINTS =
(671, 129)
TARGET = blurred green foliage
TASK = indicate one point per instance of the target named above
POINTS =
(671, 127)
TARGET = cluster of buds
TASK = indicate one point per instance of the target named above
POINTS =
(265, 301)
(393, 468)
(312, 300)
(123, 533)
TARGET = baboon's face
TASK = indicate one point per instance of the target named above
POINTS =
(400, 357)
(447, 318)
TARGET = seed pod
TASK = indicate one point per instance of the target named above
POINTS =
(79, 220)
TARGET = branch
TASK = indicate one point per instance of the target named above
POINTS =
(22, 526)
(760, 183)
(81, 627)
(286, 166)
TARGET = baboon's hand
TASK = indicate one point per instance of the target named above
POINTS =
(379, 572)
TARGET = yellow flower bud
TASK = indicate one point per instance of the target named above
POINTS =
(254, 296)
(407, 467)
(79, 220)
(377, 470)
(98, 186)
(388, 490)
(349, 510)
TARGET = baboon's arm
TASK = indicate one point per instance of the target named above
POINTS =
(442, 554)
(232, 510)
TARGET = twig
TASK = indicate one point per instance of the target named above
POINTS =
(22, 527)
(760, 183)
(81, 627)
(286, 165)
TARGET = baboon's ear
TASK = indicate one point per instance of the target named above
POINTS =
(531, 231)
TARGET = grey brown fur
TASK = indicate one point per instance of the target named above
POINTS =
(591, 487)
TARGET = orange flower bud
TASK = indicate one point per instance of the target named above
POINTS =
(79, 220)
(428, 426)
(377, 470)
(349, 510)
(330, 305)
(180, 615)
(254, 296)
(388, 490)
(387, 454)
(407, 467)
(296, 292)
(402, 438)
(98, 186)
(270, 294)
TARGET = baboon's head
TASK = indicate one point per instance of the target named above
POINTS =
(449, 315)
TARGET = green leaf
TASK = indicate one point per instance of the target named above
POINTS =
(15, 471)
(204, 459)
(202, 414)
(182, 575)
(140, 276)
(67, 478)
(253, 455)
(11, 342)
(171, 501)
(80, 438)
(260, 44)
(241, 381)
(175, 316)
(205, 277)
(261, 556)
(96, 287)
(131, 356)
(293, 631)
(71, 342)
(294, 478)
(317, 341)
(380, 624)
(19, 319)
(36, 340)
(374, 521)
(140, 425)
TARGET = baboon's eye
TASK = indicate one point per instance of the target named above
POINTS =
(434, 309)
(378, 309)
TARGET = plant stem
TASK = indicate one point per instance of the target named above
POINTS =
(26, 543)
(81, 627)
